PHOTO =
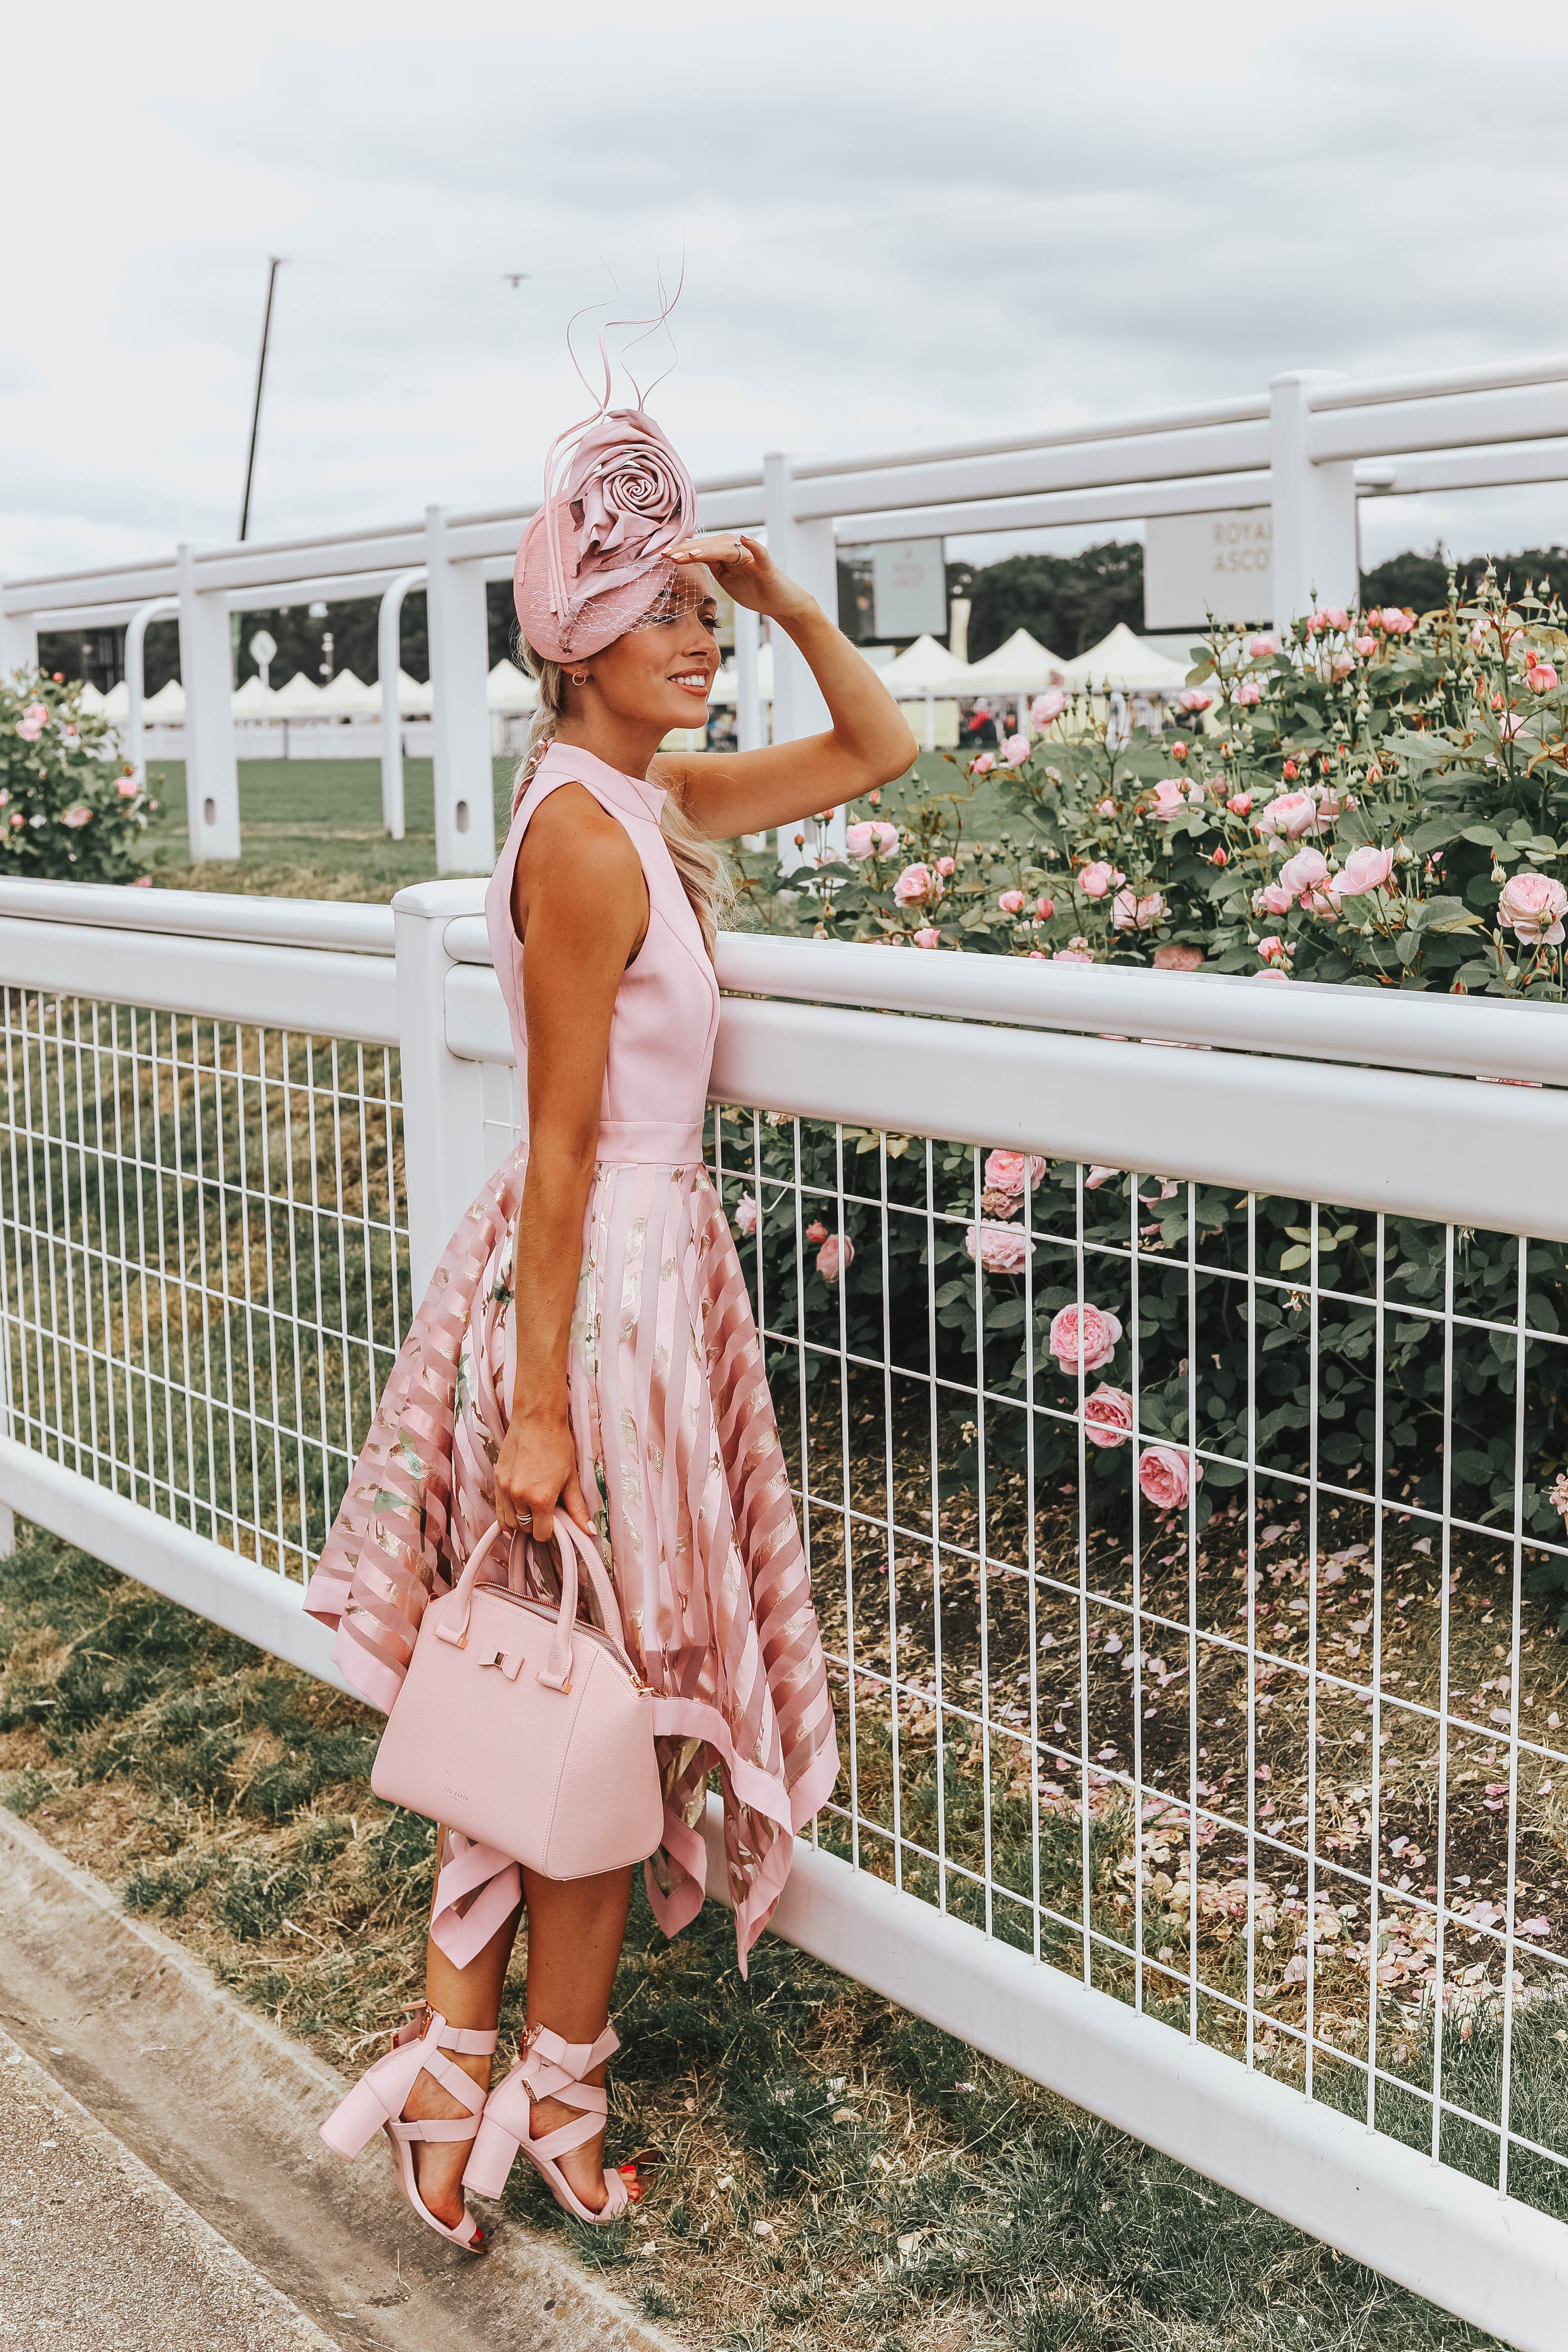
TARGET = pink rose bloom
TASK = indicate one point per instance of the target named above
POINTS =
(875, 839)
(1306, 877)
(1165, 1476)
(1169, 798)
(1333, 616)
(746, 1214)
(29, 727)
(1398, 624)
(1174, 956)
(1540, 677)
(1009, 1171)
(945, 866)
(1239, 804)
(1273, 949)
(1365, 869)
(1098, 877)
(1193, 698)
(1044, 908)
(915, 883)
(1105, 808)
(1248, 692)
(1261, 647)
(1102, 1330)
(1533, 906)
(1289, 816)
(1000, 1249)
(142, 882)
(983, 763)
(1062, 955)
(77, 816)
(1131, 913)
(1364, 645)
(927, 938)
(997, 1204)
(1274, 972)
(1012, 902)
(1098, 1176)
(127, 788)
(1107, 1416)
(1015, 751)
(1048, 706)
(836, 1253)
(816, 1232)
(1274, 899)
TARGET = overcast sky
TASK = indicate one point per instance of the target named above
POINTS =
(901, 222)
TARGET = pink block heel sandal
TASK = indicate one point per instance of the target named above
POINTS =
(378, 2098)
(547, 2068)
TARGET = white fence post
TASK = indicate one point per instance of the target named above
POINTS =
(460, 673)
(388, 638)
(443, 1098)
(18, 639)
(1315, 550)
(808, 552)
(159, 609)
(751, 732)
(206, 672)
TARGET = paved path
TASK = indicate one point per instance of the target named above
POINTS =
(97, 2254)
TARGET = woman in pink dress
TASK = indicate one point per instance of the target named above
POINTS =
(587, 1344)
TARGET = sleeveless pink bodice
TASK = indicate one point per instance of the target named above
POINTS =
(665, 1020)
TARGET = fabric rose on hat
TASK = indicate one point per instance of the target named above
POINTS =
(1533, 906)
(595, 556)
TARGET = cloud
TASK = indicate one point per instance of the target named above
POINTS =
(899, 227)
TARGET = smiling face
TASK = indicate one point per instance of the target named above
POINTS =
(658, 675)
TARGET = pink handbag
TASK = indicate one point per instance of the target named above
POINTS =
(523, 1728)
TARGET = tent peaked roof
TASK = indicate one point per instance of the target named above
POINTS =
(168, 703)
(926, 668)
(1122, 660)
(301, 699)
(506, 688)
(346, 696)
(1021, 666)
(252, 701)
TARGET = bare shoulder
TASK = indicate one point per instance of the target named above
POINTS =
(573, 842)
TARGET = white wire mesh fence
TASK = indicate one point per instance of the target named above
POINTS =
(1205, 1654)
(1189, 1557)
(206, 1261)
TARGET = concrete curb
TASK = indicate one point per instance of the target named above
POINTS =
(147, 2271)
(225, 2109)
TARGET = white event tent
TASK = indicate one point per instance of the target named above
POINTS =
(1021, 666)
(1124, 663)
(923, 672)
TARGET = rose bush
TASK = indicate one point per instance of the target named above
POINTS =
(70, 811)
(1375, 798)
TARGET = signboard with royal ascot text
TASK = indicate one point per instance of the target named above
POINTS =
(909, 588)
(1199, 563)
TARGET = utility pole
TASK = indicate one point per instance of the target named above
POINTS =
(273, 264)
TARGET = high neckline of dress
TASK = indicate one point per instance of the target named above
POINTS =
(635, 793)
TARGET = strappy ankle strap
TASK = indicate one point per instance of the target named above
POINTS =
(428, 2025)
(571, 2060)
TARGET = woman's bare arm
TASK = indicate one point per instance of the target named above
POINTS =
(580, 905)
(869, 742)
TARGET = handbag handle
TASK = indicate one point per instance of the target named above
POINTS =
(556, 1671)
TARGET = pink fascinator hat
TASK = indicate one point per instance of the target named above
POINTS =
(595, 559)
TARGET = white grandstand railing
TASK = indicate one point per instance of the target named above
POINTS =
(238, 1133)
(1307, 449)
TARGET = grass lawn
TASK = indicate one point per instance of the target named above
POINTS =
(822, 2171)
(312, 828)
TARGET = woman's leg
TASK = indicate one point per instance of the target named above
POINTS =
(468, 1998)
(576, 1929)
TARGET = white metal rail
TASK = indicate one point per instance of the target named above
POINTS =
(1194, 1824)
(1307, 449)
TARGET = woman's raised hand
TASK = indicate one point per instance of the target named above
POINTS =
(745, 569)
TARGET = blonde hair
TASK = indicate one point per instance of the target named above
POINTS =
(704, 877)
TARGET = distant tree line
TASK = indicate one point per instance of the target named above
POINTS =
(1067, 602)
